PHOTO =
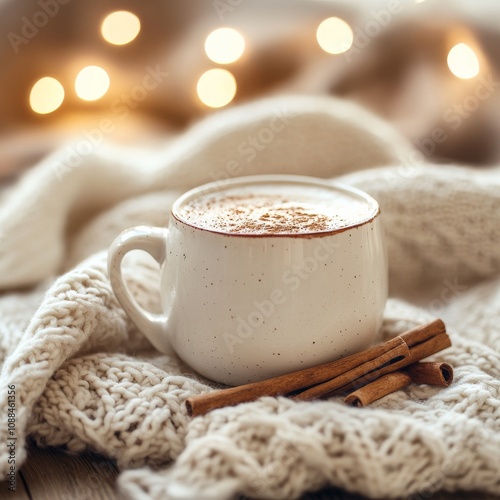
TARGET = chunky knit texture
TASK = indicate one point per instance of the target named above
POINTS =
(86, 379)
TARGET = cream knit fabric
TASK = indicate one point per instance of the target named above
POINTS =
(87, 379)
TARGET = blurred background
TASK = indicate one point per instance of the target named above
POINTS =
(138, 73)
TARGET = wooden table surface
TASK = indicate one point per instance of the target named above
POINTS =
(51, 474)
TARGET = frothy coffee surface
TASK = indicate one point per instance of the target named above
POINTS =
(275, 209)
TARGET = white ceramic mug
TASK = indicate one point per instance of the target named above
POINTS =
(241, 308)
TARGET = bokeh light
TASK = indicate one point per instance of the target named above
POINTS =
(120, 27)
(463, 62)
(91, 83)
(334, 35)
(46, 95)
(216, 87)
(224, 45)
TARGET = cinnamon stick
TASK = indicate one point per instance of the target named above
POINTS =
(430, 373)
(342, 385)
(420, 351)
(378, 389)
(361, 368)
(358, 372)
(433, 373)
(379, 355)
(424, 332)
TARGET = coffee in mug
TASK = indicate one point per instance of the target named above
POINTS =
(262, 275)
(274, 209)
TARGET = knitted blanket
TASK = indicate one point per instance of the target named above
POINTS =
(84, 378)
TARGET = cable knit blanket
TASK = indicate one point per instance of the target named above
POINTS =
(86, 379)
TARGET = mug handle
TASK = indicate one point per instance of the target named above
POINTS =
(152, 240)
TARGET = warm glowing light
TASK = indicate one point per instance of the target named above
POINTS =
(120, 27)
(46, 95)
(216, 87)
(224, 45)
(463, 62)
(91, 83)
(334, 35)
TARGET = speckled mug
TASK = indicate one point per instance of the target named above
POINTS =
(242, 308)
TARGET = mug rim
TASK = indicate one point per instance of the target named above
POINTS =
(215, 186)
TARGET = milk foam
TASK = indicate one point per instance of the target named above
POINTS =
(276, 209)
